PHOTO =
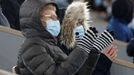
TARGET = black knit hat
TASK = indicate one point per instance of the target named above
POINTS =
(130, 48)
(123, 9)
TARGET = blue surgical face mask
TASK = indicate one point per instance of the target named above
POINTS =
(79, 30)
(53, 27)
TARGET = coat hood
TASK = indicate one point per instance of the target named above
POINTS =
(75, 11)
(30, 18)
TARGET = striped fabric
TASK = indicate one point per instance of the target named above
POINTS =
(103, 40)
(87, 41)
(90, 40)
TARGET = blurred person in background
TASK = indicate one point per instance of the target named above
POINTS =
(62, 4)
(11, 9)
(122, 14)
(131, 25)
(103, 7)
(130, 48)
(3, 19)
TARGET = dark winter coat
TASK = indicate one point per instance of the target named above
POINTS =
(39, 54)
(130, 48)
(3, 19)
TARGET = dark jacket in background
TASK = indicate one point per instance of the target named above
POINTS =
(62, 4)
(40, 55)
(120, 29)
(3, 19)
(130, 48)
(11, 9)
(122, 12)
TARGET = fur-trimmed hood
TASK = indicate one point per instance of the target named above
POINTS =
(75, 11)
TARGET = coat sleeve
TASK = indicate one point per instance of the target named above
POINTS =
(90, 63)
(39, 62)
(103, 66)
(130, 48)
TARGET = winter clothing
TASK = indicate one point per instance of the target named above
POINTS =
(103, 66)
(130, 48)
(11, 9)
(40, 55)
(120, 29)
(70, 20)
(122, 11)
(68, 38)
(103, 63)
(99, 44)
(3, 19)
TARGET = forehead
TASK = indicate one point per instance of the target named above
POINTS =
(49, 7)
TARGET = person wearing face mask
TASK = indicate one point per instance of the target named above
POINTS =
(73, 29)
(79, 31)
(51, 25)
(40, 54)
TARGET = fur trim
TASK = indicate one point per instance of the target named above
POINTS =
(75, 11)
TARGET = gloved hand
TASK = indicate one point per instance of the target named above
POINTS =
(91, 41)
(86, 42)
(94, 44)
(103, 40)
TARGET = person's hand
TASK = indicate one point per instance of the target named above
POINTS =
(110, 52)
(91, 41)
